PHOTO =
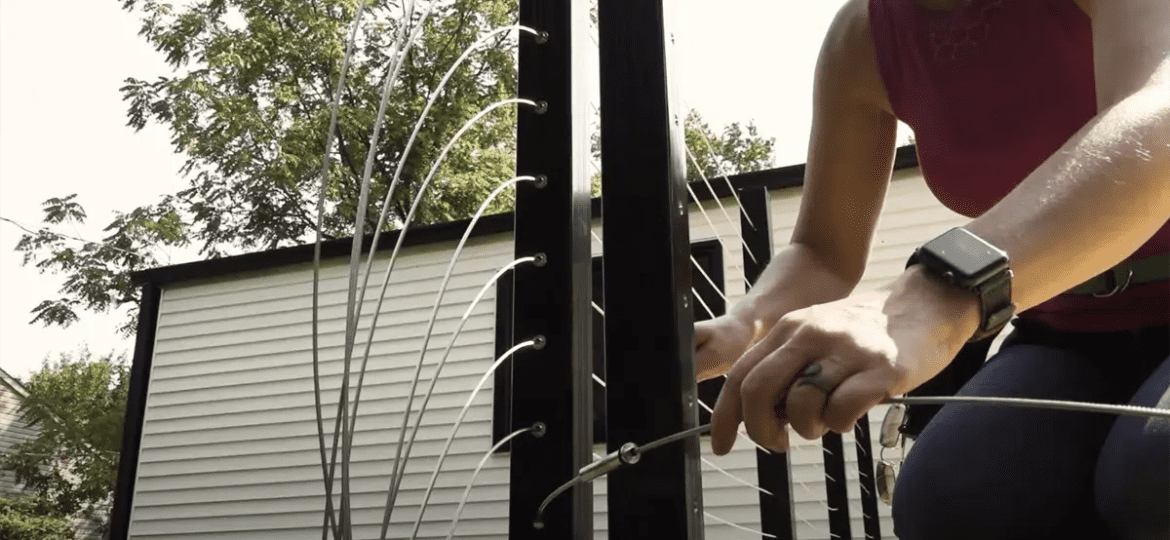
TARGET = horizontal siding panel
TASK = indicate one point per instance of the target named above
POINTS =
(414, 263)
(230, 448)
(332, 369)
(13, 431)
(307, 478)
(416, 308)
(375, 413)
(456, 471)
(385, 355)
(245, 404)
(331, 332)
(284, 430)
(442, 506)
(474, 332)
(281, 381)
(462, 288)
(307, 526)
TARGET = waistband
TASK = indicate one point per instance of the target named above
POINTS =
(1125, 275)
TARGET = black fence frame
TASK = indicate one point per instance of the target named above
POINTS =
(649, 319)
(552, 386)
(648, 323)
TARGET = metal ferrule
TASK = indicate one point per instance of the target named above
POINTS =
(627, 455)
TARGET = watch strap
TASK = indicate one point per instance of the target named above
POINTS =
(995, 305)
(995, 301)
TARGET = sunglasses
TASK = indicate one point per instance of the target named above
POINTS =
(890, 437)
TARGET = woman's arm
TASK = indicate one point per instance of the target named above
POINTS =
(850, 156)
(1085, 209)
(1107, 190)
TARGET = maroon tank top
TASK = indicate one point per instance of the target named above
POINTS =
(992, 90)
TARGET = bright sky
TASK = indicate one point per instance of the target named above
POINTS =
(63, 125)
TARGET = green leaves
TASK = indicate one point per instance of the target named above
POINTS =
(248, 105)
(32, 517)
(98, 274)
(76, 404)
(737, 150)
(252, 110)
(63, 210)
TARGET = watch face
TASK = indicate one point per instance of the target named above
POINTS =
(968, 256)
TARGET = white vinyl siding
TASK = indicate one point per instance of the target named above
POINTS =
(230, 449)
(13, 431)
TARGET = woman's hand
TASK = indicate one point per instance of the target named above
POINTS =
(869, 347)
(719, 342)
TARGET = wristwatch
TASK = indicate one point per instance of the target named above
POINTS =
(962, 259)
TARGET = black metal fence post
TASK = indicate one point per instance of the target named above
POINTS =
(836, 486)
(869, 505)
(772, 469)
(649, 323)
(552, 385)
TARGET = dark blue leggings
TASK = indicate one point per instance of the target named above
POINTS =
(999, 473)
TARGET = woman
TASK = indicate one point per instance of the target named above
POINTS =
(1048, 123)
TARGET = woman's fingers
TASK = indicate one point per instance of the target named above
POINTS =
(728, 412)
(711, 354)
(808, 396)
(854, 397)
(765, 387)
(774, 393)
(770, 388)
(727, 415)
(703, 333)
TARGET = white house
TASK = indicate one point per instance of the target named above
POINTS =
(13, 429)
(228, 447)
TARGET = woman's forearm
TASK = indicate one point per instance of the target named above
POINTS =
(795, 279)
(1090, 205)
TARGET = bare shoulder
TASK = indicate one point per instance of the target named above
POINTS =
(849, 58)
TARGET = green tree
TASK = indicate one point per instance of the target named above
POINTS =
(76, 405)
(32, 517)
(249, 107)
(738, 149)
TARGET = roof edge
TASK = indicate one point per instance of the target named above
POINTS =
(12, 383)
(779, 178)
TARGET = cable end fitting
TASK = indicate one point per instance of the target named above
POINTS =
(629, 454)
(542, 38)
